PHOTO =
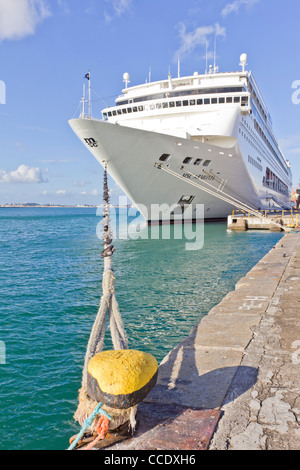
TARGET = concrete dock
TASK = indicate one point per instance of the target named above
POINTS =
(234, 382)
(273, 220)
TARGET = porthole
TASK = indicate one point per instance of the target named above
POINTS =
(165, 157)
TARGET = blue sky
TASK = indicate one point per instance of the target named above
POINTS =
(47, 46)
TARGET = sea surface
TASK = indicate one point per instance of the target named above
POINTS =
(50, 287)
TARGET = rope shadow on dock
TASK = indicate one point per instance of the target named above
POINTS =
(188, 376)
(183, 410)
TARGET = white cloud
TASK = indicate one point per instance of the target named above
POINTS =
(198, 37)
(19, 18)
(119, 8)
(81, 184)
(55, 162)
(92, 193)
(24, 174)
(61, 192)
(235, 6)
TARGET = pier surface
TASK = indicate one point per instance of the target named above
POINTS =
(273, 220)
(234, 382)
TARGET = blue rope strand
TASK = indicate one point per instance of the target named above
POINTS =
(88, 422)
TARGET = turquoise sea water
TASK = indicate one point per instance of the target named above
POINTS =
(50, 287)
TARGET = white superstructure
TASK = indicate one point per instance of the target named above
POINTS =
(214, 126)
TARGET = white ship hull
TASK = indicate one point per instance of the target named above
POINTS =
(214, 131)
(131, 155)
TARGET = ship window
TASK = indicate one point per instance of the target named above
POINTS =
(185, 103)
(158, 105)
(236, 99)
(172, 104)
(134, 109)
(186, 200)
(187, 160)
(200, 101)
(206, 100)
(129, 110)
(228, 100)
(178, 104)
(198, 161)
(173, 94)
(124, 111)
(192, 102)
(221, 100)
(214, 100)
(165, 105)
(165, 157)
(141, 108)
(119, 111)
(207, 163)
(109, 113)
(114, 113)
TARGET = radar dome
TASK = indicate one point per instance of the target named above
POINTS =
(244, 58)
(126, 77)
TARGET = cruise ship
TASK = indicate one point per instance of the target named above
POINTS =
(204, 140)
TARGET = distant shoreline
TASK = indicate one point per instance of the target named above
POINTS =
(50, 206)
(46, 206)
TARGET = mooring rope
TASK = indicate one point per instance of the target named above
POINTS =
(88, 422)
(108, 303)
(108, 308)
